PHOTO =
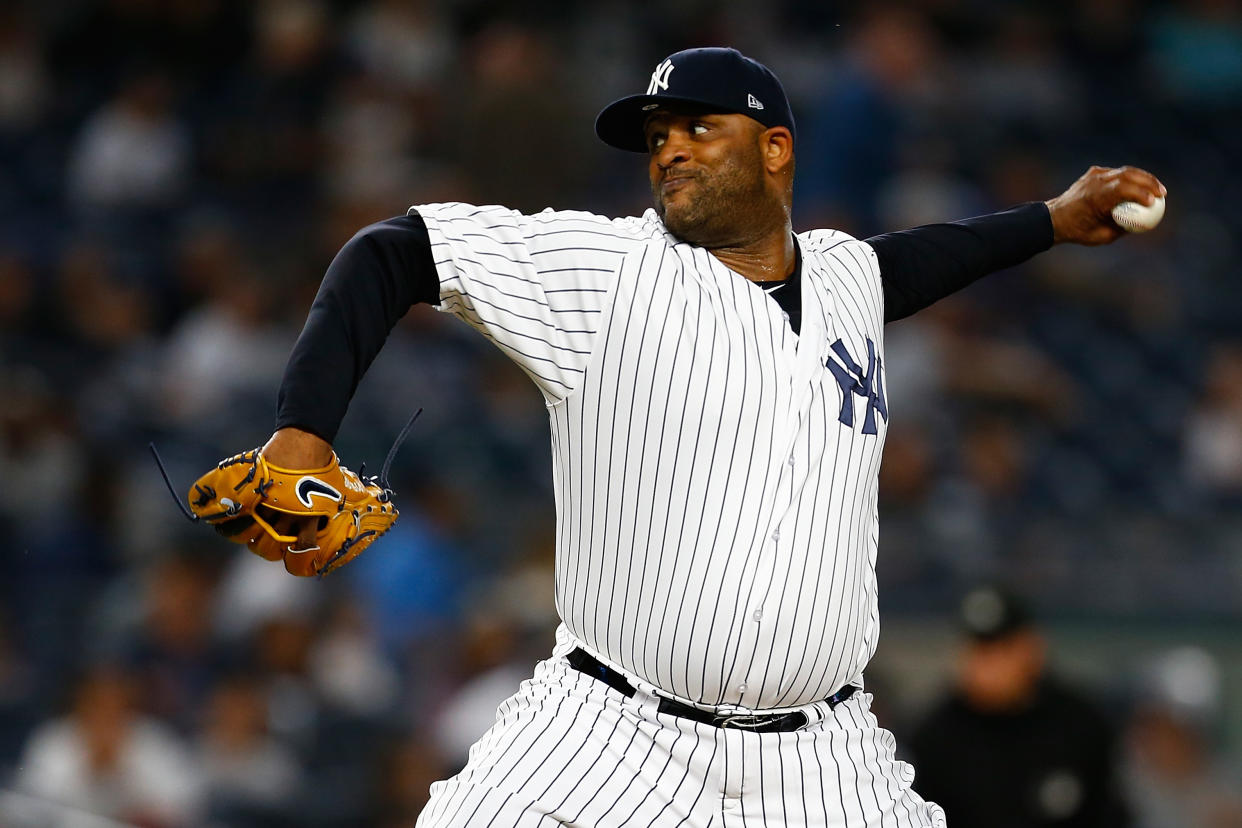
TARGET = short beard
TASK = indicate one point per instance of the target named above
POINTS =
(725, 208)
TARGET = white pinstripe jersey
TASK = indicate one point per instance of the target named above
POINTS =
(715, 473)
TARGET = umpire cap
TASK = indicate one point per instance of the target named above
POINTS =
(991, 612)
(716, 79)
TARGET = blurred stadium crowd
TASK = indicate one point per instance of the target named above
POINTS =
(175, 175)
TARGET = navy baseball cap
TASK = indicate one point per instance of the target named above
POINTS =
(714, 79)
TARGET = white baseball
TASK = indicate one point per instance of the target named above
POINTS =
(1138, 218)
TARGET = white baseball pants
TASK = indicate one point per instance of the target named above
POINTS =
(569, 750)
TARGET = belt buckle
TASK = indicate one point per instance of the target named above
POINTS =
(746, 721)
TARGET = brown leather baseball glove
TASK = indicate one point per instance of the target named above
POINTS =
(252, 502)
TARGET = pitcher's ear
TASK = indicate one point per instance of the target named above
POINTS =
(777, 147)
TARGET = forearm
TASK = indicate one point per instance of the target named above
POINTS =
(368, 287)
(918, 267)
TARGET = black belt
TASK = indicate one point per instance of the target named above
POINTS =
(584, 662)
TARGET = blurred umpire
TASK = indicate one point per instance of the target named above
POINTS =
(1010, 745)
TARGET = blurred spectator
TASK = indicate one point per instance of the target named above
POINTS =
(1213, 438)
(233, 328)
(1011, 745)
(925, 192)
(372, 134)
(348, 667)
(492, 667)
(1027, 87)
(1174, 775)
(106, 759)
(851, 139)
(954, 370)
(172, 652)
(995, 459)
(251, 592)
(249, 778)
(906, 480)
(55, 558)
(262, 146)
(990, 367)
(38, 446)
(133, 152)
(282, 647)
(104, 313)
(208, 254)
(402, 42)
(513, 623)
(519, 103)
(335, 742)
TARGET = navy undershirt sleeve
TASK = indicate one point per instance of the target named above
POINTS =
(369, 286)
(925, 264)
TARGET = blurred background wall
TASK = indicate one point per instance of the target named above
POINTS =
(175, 176)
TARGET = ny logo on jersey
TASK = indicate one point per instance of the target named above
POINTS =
(659, 78)
(853, 380)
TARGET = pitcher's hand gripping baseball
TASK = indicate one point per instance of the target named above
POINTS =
(1083, 214)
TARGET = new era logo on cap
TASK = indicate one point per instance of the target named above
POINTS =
(715, 80)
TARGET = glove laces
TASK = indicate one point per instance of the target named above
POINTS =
(380, 480)
(185, 510)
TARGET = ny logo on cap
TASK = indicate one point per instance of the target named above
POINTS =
(659, 78)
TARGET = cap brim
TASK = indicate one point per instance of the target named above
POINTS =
(620, 124)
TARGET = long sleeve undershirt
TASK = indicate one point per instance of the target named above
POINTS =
(387, 267)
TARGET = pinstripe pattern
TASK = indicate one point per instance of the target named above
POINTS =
(716, 492)
(568, 750)
(534, 285)
(717, 524)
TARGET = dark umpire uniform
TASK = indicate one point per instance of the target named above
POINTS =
(1011, 746)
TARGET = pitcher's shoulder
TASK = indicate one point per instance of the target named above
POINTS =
(836, 247)
(820, 240)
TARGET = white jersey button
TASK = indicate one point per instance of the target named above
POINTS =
(758, 614)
